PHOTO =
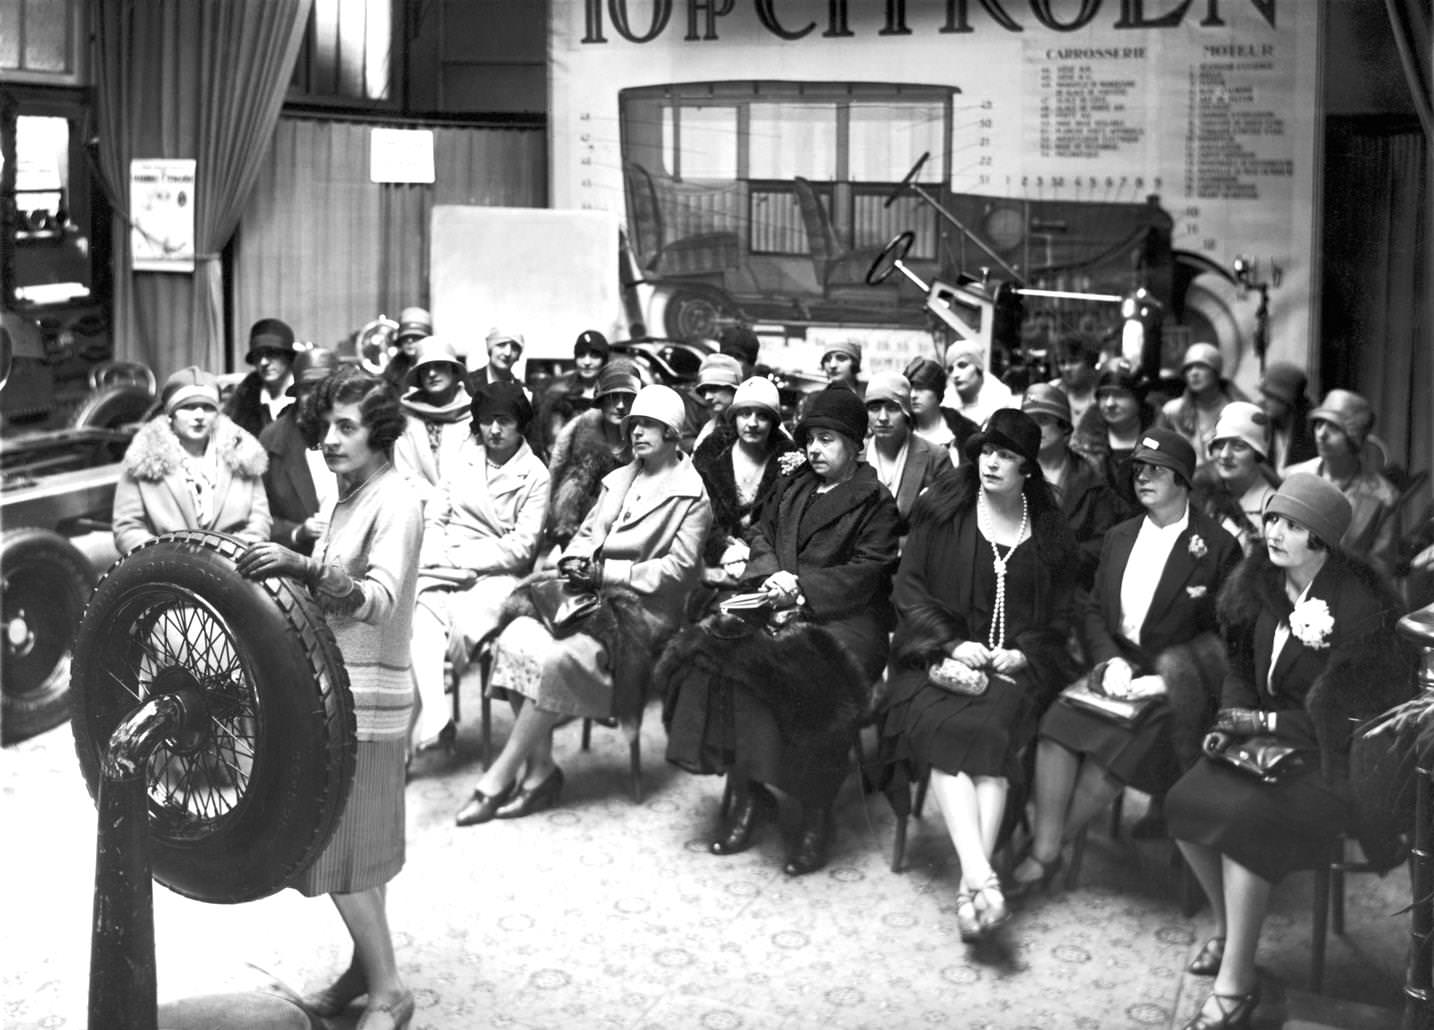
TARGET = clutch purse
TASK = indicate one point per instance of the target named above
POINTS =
(562, 607)
(958, 677)
(1125, 712)
(1263, 757)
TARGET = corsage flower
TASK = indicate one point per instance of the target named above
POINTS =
(1198, 549)
(1311, 623)
(788, 463)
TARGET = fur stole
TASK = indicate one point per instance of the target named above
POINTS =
(415, 403)
(581, 459)
(155, 452)
(1366, 672)
(811, 682)
(246, 404)
(711, 459)
(1193, 673)
(625, 627)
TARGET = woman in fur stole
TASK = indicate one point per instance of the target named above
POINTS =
(1148, 631)
(639, 549)
(588, 448)
(1313, 652)
(778, 706)
(191, 469)
(983, 595)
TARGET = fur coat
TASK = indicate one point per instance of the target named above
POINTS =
(153, 496)
(581, 458)
(246, 407)
(730, 517)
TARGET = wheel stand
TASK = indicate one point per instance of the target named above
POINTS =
(123, 993)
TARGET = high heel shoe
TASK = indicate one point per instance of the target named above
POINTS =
(483, 807)
(1016, 888)
(388, 1015)
(1207, 960)
(446, 741)
(968, 920)
(329, 1001)
(750, 808)
(813, 842)
(991, 904)
(1235, 1012)
(529, 800)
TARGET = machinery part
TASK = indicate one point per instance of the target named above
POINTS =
(374, 344)
(113, 407)
(695, 314)
(890, 259)
(44, 583)
(246, 801)
(900, 187)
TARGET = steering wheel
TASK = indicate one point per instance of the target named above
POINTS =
(886, 261)
(910, 178)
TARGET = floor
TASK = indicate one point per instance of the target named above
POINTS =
(603, 913)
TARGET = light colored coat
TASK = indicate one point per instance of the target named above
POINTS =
(153, 497)
(487, 520)
(415, 460)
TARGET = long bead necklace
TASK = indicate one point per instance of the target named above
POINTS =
(996, 636)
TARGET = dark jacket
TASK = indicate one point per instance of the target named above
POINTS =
(287, 481)
(1179, 639)
(1091, 507)
(730, 517)
(842, 547)
(1091, 440)
(246, 406)
(926, 464)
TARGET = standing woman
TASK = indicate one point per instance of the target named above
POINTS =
(1313, 652)
(363, 575)
(986, 580)
(191, 469)
(640, 548)
(749, 705)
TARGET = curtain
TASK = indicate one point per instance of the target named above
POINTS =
(201, 79)
(325, 249)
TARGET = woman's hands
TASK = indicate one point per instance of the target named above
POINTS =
(1004, 660)
(782, 589)
(266, 559)
(582, 573)
(1241, 722)
(1007, 661)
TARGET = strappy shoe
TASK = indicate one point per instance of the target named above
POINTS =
(337, 996)
(991, 904)
(1235, 1012)
(1017, 888)
(1207, 960)
(394, 1014)
(968, 921)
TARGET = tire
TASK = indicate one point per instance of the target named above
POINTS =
(112, 408)
(241, 806)
(44, 583)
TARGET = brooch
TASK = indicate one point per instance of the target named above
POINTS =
(1311, 623)
(1198, 549)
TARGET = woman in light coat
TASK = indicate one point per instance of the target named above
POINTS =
(192, 469)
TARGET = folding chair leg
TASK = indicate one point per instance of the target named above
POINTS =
(921, 785)
(1077, 857)
(485, 710)
(898, 847)
(634, 755)
(587, 734)
(1336, 898)
(1319, 926)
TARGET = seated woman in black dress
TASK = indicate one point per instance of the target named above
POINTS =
(1149, 631)
(779, 707)
(985, 583)
(1313, 652)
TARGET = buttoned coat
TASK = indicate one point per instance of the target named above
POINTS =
(488, 520)
(925, 464)
(153, 497)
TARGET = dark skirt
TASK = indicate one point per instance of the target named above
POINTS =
(1139, 756)
(1272, 829)
(367, 848)
(958, 733)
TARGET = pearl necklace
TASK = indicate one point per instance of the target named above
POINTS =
(996, 635)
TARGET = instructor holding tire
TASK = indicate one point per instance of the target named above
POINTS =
(363, 574)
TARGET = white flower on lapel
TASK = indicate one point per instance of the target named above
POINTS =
(1198, 549)
(1198, 591)
(1311, 623)
(788, 463)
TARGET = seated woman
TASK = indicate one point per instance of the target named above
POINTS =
(1313, 652)
(193, 468)
(1234, 488)
(481, 534)
(945, 427)
(904, 463)
(438, 418)
(1149, 631)
(779, 709)
(985, 585)
(740, 469)
(640, 547)
(1109, 431)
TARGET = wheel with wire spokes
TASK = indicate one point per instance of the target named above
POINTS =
(243, 797)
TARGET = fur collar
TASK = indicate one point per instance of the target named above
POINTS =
(1258, 585)
(155, 452)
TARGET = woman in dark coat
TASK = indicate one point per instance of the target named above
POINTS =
(779, 706)
(985, 585)
(1313, 653)
(1148, 631)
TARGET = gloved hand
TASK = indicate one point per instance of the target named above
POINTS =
(581, 572)
(266, 559)
(1242, 722)
(1115, 682)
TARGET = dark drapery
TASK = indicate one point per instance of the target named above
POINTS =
(200, 79)
(327, 250)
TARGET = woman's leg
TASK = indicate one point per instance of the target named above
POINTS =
(1057, 768)
(1247, 899)
(430, 646)
(991, 794)
(1095, 789)
(366, 916)
(530, 742)
(1208, 868)
(956, 797)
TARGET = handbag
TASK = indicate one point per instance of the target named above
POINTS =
(1085, 695)
(958, 677)
(1263, 756)
(561, 607)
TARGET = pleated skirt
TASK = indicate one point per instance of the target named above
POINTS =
(1140, 756)
(367, 848)
(958, 733)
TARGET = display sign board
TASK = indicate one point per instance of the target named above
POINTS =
(161, 210)
(400, 155)
(756, 152)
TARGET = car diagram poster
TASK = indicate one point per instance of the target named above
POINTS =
(161, 202)
(755, 151)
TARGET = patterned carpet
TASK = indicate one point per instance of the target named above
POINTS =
(603, 913)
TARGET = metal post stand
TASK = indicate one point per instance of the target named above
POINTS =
(1418, 628)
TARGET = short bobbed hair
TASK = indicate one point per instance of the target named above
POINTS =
(376, 398)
